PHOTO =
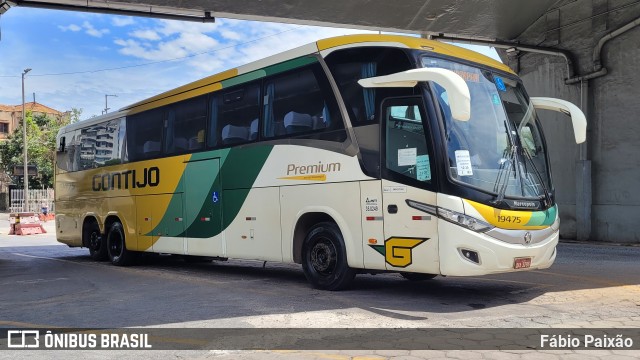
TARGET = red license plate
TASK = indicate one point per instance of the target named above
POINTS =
(522, 263)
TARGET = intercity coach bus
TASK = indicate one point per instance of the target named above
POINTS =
(362, 153)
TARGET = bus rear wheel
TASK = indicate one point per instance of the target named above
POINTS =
(95, 242)
(118, 253)
(324, 258)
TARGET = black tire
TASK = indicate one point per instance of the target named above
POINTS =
(324, 258)
(417, 276)
(95, 242)
(118, 253)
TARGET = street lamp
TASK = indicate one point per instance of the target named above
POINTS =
(25, 208)
(106, 108)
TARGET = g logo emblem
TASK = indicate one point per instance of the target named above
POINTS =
(527, 238)
(398, 251)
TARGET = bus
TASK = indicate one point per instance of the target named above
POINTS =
(353, 154)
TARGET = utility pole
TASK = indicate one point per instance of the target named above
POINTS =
(106, 107)
(25, 207)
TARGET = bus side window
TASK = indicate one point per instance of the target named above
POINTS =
(407, 151)
(144, 134)
(236, 115)
(299, 102)
(184, 126)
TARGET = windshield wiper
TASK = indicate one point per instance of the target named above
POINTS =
(502, 180)
(547, 195)
(528, 117)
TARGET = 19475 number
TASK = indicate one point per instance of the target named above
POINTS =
(510, 219)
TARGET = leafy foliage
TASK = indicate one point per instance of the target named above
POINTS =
(41, 149)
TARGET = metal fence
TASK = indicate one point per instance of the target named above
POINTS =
(38, 200)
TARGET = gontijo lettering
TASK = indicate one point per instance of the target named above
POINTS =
(126, 179)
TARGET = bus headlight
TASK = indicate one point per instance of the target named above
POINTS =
(455, 217)
(469, 222)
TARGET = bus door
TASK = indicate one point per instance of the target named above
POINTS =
(410, 226)
(203, 208)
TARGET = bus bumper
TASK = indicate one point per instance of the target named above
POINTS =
(493, 255)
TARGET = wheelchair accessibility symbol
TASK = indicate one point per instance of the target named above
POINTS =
(215, 197)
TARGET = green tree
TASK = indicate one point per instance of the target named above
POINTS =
(41, 149)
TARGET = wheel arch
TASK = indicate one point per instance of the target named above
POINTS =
(113, 217)
(309, 217)
(89, 219)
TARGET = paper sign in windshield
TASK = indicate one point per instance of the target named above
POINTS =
(407, 157)
(463, 163)
(423, 168)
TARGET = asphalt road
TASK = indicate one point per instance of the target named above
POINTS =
(45, 284)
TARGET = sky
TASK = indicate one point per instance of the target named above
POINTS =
(78, 58)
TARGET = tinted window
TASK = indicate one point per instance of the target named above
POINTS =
(144, 135)
(67, 160)
(185, 126)
(297, 102)
(234, 115)
(350, 65)
(100, 144)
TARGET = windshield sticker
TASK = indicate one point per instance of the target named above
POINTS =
(500, 84)
(407, 157)
(463, 163)
(468, 76)
(496, 99)
(423, 168)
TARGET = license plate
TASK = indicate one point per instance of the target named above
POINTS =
(522, 263)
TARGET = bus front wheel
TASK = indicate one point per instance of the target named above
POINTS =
(118, 253)
(324, 258)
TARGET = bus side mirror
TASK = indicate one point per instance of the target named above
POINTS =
(578, 119)
(455, 86)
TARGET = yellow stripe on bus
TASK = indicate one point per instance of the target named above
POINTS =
(415, 43)
(505, 219)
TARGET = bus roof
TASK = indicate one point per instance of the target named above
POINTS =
(325, 46)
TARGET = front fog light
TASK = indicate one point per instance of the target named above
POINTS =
(470, 255)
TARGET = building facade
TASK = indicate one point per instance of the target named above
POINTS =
(11, 116)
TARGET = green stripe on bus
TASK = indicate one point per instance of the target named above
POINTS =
(539, 218)
(274, 69)
(240, 172)
(239, 168)
(243, 78)
(291, 64)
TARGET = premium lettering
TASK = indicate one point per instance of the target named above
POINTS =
(319, 168)
(130, 179)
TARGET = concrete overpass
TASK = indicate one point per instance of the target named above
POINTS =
(584, 51)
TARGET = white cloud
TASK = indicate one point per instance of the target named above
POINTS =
(225, 44)
(145, 35)
(230, 35)
(121, 21)
(70, 27)
(185, 44)
(90, 30)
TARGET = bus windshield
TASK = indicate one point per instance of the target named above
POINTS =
(500, 149)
